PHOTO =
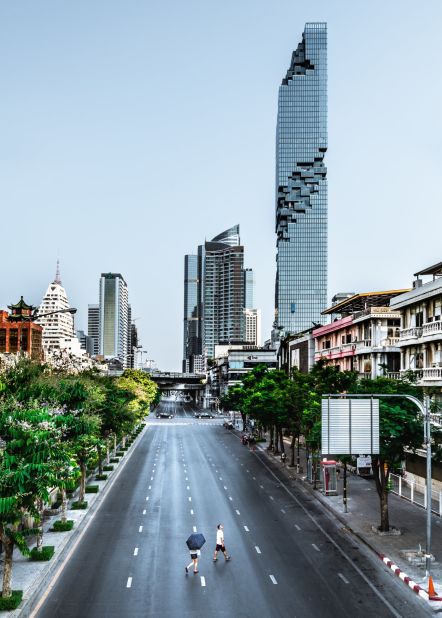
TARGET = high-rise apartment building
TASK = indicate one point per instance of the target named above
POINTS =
(223, 290)
(93, 326)
(192, 339)
(301, 186)
(252, 326)
(113, 318)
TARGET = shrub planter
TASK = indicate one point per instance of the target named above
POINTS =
(12, 602)
(124, 448)
(108, 468)
(92, 489)
(114, 459)
(63, 526)
(101, 477)
(120, 453)
(45, 553)
(79, 505)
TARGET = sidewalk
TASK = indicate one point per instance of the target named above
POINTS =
(364, 512)
(33, 577)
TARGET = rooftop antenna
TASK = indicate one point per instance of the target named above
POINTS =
(57, 273)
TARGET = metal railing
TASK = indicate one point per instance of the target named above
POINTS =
(415, 492)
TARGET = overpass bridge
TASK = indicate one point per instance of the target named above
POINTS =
(170, 382)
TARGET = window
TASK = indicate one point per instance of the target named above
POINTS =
(13, 340)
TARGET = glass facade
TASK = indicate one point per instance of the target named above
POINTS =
(249, 289)
(192, 322)
(114, 317)
(301, 186)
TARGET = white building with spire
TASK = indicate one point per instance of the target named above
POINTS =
(58, 328)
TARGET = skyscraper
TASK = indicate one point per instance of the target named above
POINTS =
(192, 336)
(301, 186)
(249, 289)
(114, 319)
(93, 326)
(223, 290)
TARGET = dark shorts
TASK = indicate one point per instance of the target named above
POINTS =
(220, 548)
(194, 556)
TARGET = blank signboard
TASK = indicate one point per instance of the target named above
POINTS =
(350, 426)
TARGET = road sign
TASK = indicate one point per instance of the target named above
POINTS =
(350, 426)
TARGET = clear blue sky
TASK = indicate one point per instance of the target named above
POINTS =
(130, 131)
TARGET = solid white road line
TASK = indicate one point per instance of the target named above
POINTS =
(129, 582)
(140, 529)
(297, 527)
(344, 579)
(194, 528)
(272, 577)
(315, 547)
(203, 580)
(237, 512)
(136, 551)
(258, 551)
(246, 529)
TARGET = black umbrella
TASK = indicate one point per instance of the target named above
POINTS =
(195, 541)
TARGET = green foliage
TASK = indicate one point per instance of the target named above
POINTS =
(8, 604)
(79, 504)
(92, 489)
(101, 477)
(63, 526)
(44, 554)
(114, 459)
(108, 468)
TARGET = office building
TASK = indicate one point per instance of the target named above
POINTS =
(86, 342)
(252, 326)
(93, 327)
(249, 289)
(192, 335)
(301, 186)
(113, 318)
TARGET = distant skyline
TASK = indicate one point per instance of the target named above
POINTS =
(130, 131)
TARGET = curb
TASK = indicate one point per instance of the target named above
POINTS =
(35, 590)
(407, 580)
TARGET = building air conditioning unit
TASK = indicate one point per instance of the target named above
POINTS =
(417, 283)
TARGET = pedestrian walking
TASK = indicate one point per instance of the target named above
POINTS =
(220, 543)
(194, 553)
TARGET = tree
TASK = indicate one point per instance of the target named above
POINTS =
(28, 465)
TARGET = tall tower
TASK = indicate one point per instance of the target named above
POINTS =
(192, 340)
(301, 186)
(93, 326)
(223, 290)
(58, 328)
(114, 319)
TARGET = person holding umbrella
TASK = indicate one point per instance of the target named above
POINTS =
(194, 543)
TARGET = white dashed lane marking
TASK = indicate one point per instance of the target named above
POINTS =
(147, 498)
(315, 547)
(246, 529)
(136, 551)
(140, 529)
(203, 581)
(144, 511)
(194, 528)
(297, 527)
(282, 511)
(272, 577)
(237, 512)
(344, 579)
(258, 551)
(191, 511)
(129, 582)
(150, 487)
(230, 498)
(225, 487)
(190, 499)
(271, 497)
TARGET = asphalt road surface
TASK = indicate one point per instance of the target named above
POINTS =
(289, 558)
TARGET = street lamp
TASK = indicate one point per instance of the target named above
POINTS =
(36, 316)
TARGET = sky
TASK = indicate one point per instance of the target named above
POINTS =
(131, 131)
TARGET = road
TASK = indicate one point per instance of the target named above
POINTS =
(289, 558)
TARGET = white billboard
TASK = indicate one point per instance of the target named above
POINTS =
(350, 426)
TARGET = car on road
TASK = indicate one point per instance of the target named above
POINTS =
(164, 415)
(203, 415)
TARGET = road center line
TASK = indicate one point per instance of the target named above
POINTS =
(344, 579)
(272, 577)
(136, 551)
(129, 582)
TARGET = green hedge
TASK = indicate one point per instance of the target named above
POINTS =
(92, 489)
(79, 505)
(45, 553)
(12, 602)
(101, 477)
(114, 459)
(63, 526)
(108, 468)
(120, 453)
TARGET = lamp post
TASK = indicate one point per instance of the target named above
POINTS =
(36, 316)
(424, 409)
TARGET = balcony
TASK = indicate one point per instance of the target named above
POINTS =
(410, 333)
(432, 328)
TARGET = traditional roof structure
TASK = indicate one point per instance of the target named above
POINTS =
(362, 301)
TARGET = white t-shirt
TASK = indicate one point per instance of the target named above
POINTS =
(220, 537)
